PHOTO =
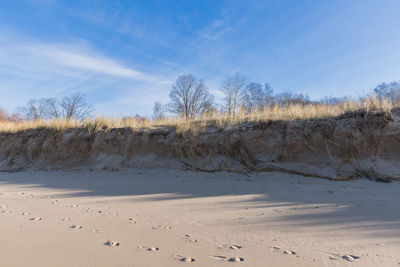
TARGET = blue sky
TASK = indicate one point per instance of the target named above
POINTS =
(124, 55)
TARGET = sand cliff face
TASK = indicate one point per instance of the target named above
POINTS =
(336, 142)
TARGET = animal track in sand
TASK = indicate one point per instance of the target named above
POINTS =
(112, 243)
(76, 226)
(36, 219)
(184, 259)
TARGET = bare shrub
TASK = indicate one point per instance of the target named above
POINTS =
(72, 107)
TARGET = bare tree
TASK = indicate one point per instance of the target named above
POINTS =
(268, 94)
(286, 98)
(40, 109)
(389, 91)
(75, 107)
(190, 97)
(158, 111)
(254, 97)
(233, 90)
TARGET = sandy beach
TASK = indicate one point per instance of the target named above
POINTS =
(165, 217)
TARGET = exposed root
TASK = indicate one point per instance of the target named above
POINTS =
(372, 175)
(193, 168)
(289, 171)
(221, 168)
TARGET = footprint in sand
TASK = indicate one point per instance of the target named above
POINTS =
(98, 231)
(54, 202)
(235, 247)
(223, 258)
(4, 206)
(6, 211)
(289, 252)
(65, 219)
(219, 258)
(76, 226)
(153, 249)
(350, 257)
(132, 220)
(25, 213)
(236, 259)
(162, 227)
(276, 248)
(112, 243)
(184, 259)
(73, 206)
(190, 239)
(36, 219)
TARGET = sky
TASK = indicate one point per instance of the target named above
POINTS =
(125, 55)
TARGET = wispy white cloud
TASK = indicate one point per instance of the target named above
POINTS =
(29, 69)
(89, 61)
(214, 31)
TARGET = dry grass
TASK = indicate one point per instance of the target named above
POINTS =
(216, 119)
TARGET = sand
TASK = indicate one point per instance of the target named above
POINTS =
(165, 217)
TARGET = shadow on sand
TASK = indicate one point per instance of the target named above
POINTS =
(364, 206)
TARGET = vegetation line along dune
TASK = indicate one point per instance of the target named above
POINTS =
(336, 139)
